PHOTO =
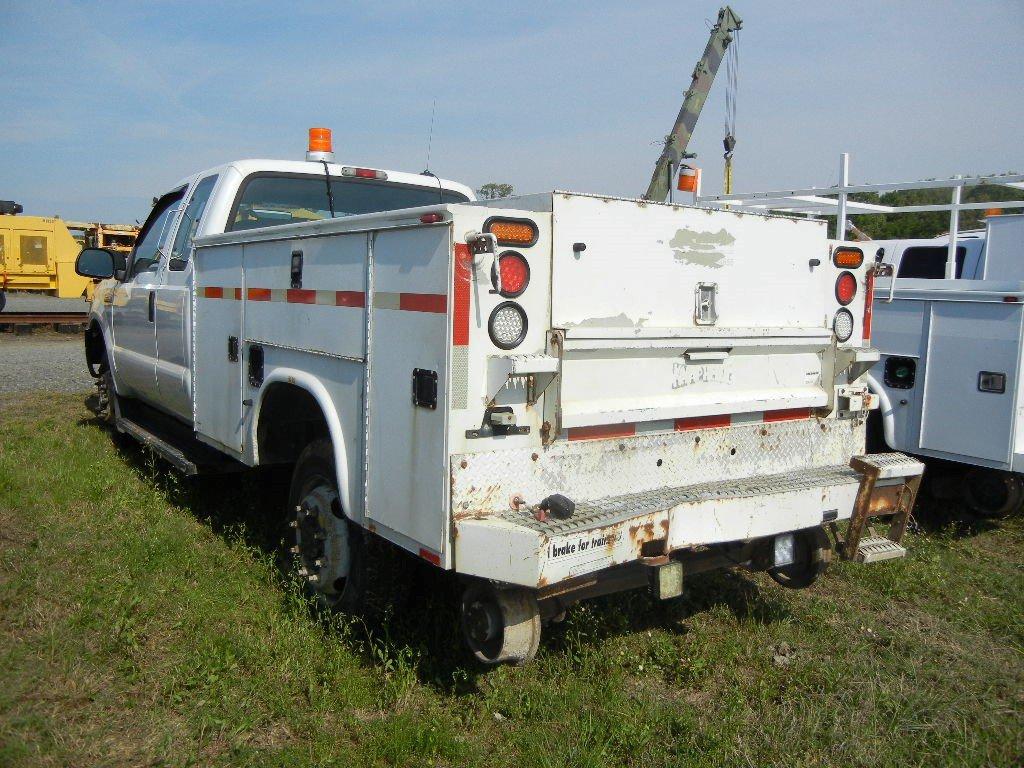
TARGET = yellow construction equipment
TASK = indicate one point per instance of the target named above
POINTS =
(38, 253)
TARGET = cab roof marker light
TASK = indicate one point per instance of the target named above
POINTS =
(364, 173)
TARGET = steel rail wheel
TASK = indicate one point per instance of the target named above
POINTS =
(813, 556)
(501, 626)
(991, 493)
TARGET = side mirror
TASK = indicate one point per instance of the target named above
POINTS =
(176, 265)
(97, 263)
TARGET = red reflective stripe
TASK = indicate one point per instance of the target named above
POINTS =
(788, 414)
(238, 294)
(602, 430)
(423, 302)
(433, 557)
(869, 298)
(703, 422)
(460, 296)
(258, 294)
(349, 299)
(211, 292)
(301, 296)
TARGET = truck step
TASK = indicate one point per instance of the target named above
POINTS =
(172, 441)
(875, 549)
(169, 453)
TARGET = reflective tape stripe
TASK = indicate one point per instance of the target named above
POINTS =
(460, 295)
(602, 430)
(435, 303)
(787, 414)
(703, 422)
(349, 299)
(423, 302)
(686, 424)
(429, 556)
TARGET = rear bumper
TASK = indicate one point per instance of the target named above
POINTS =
(515, 548)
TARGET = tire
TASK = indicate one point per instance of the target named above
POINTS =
(324, 547)
(108, 406)
(991, 493)
(813, 556)
(3, 301)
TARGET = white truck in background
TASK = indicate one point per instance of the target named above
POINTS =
(951, 365)
(554, 396)
(949, 327)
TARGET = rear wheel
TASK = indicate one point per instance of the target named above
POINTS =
(812, 556)
(326, 549)
(3, 301)
(500, 625)
(991, 493)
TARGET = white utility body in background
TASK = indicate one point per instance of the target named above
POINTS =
(555, 396)
(950, 371)
(948, 326)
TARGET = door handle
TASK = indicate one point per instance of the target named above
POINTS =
(152, 305)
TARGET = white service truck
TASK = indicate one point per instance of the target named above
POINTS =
(952, 358)
(555, 396)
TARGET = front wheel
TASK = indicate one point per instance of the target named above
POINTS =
(326, 549)
(108, 407)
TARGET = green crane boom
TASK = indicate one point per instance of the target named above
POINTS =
(693, 102)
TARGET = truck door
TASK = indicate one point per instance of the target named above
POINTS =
(134, 304)
(173, 305)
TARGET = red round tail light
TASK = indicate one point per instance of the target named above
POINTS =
(515, 274)
(846, 288)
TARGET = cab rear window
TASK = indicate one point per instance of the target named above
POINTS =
(268, 200)
(929, 262)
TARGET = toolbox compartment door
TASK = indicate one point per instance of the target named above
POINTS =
(640, 265)
(217, 316)
(963, 414)
(628, 283)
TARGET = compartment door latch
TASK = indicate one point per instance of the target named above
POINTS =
(705, 312)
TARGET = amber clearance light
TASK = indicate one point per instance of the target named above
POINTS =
(521, 232)
(850, 258)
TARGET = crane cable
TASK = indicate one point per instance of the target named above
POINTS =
(732, 70)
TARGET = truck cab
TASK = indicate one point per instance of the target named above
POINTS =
(141, 320)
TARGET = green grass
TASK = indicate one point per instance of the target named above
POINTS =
(144, 621)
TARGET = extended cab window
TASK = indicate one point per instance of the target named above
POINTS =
(153, 234)
(929, 262)
(191, 217)
(268, 200)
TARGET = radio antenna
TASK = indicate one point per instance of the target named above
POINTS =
(430, 135)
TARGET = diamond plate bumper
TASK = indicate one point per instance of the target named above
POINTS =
(516, 548)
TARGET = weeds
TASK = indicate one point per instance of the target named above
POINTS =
(146, 619)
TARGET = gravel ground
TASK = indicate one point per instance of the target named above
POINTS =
(23, 301)
(43, 361)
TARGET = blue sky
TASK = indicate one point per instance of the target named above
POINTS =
(108, 104)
